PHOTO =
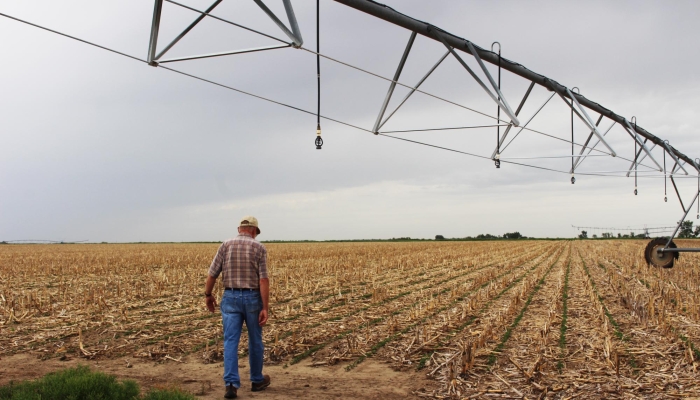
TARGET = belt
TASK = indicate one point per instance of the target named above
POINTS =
(244, 289)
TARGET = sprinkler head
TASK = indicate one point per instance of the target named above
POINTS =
(319, 141)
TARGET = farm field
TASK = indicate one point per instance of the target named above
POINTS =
(530, 319)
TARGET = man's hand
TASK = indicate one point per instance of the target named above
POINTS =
(262, 317)
(208, 287)
(211, 303)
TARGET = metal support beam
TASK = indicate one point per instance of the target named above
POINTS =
(585, 144)
(394, 17)
(640, 160)
(676, 167)
(187, 30)
(225, 53)
(397, 74)
(696, 163)
(296, 40)
(680, 223)
(502, 105)
(226, 21)
(673, 181)
(668, 148)
(635, 164)
(528, 121)
(155, 26)
(293, 21)
(587, 120)
(680, 250)
(590, 149)
(520, 107)
(415, 87)
(632, 132)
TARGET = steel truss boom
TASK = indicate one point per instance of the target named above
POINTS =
(422, 28)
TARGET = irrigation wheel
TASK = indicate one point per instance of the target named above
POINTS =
(662, 260)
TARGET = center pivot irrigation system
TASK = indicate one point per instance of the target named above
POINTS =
(660, 252)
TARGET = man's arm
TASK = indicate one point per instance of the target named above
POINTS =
(210, 300)
(214, 271)
(265, 294)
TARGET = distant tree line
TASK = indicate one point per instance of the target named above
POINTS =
(486, 236)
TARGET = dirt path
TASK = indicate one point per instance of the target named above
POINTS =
(370, 380)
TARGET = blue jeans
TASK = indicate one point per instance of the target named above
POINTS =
(236, 307)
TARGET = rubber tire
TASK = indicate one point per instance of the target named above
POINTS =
(653, 259)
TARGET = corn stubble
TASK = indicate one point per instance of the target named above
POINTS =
(506, 318)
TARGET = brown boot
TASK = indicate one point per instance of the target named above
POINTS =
(231, 392)
(261, 385)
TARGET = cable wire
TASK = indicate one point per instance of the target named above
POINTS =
(72, 37)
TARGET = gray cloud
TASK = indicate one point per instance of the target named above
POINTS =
(100, 147)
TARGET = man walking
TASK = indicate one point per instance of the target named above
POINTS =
(243, 261)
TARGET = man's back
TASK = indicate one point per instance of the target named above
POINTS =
(242, 261)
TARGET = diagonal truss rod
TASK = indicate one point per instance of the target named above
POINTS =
(295, 34)
(526, 124)
(583, 116)
(188, 29)
(680, 199)
(153, 59)
(500, 100)
(678, 162)
(225, 53)
(583, 148)
(414, 88)
(392, 85)
(685, 214)
(629, 129)
(590, 149)
(457, 43)
(676, 167)
(517, 111)
(206, 14)
(155, 27)
(638, 160)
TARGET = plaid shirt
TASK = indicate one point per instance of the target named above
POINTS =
(243, 260)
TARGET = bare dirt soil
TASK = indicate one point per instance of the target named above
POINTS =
(370, 380)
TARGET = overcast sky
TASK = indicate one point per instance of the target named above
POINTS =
(99, 147)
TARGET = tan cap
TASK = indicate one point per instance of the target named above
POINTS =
(250, 221)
